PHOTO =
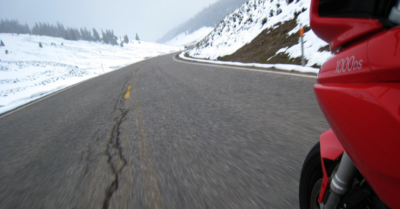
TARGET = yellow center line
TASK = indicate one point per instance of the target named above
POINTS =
(128, 92)
(133, 73)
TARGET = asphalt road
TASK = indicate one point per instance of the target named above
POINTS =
(162, 134)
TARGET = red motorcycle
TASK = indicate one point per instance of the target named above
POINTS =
(356, 163)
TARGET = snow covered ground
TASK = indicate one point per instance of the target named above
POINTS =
(29, 72)
(247, 22)
(185, 39)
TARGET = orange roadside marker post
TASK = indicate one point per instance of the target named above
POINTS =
(301, 32)
(302, 44)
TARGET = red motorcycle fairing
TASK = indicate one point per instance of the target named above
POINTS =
(370, 60)
(351, 65)
(331, 149)
(339, 31)
(358, 91)
(366, 120)
(384, 55)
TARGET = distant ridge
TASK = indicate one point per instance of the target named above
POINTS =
(209, 16)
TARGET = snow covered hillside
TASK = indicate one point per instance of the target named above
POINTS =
(185, 39)
(28, 72)
(246, 23)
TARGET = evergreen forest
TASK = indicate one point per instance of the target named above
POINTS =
(58, 30)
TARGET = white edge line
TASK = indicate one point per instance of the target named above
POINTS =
(41, 98)
(201, 62)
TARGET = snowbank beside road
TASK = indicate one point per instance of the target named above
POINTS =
(286, 67)
(29, 72)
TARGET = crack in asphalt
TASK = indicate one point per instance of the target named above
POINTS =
(86, 154)
(116, 159)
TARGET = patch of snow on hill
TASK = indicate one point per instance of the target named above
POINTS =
(247, 22)
(311, 45)
(29, 72)
(185, 39)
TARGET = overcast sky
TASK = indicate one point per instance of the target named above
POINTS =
(151, 19)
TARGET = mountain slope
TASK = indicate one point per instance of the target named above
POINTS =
(208, 17)
(264, 31)
(184, 39)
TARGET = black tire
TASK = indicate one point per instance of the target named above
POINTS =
(311, 179)
(311, 173)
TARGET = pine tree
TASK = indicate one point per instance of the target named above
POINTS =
(137, 37)
(60, 30)
(2, 43)
(85, 34)
(108, 37)
(104, 37)
(40, 45)
(126, 39)
(113, 38)
(96, 36)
